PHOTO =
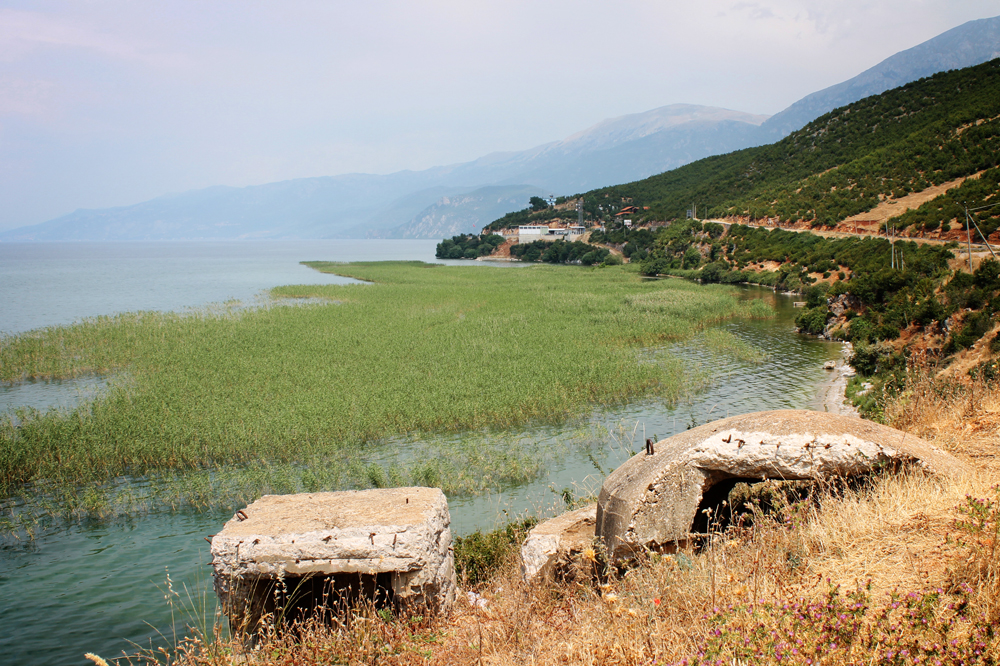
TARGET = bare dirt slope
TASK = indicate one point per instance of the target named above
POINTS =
(892, 207)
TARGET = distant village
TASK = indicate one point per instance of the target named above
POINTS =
(560, 229)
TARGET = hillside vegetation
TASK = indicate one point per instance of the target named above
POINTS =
(975, 194)
(878, 295)
(844, 163)
(907, 307)
(927, 132)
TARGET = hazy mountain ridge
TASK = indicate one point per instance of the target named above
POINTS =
(300, 208)
(464, 213)
(617, 150)
(395, 205)
(431, 203)
(845, 163)
(969, 44)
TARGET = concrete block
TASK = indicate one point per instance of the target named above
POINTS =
(286, 555)
(550, 548)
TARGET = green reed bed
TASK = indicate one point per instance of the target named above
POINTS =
(425, 348)
(469, 463)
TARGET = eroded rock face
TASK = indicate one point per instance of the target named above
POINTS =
(652, 501)
(345, 545)
(842, 303)
(551, 546)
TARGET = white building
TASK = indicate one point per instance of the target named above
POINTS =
(545, 231)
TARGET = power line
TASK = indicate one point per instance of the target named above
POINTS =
(969, 218)
(995, 203)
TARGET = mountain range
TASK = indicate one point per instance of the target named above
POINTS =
(462, 198)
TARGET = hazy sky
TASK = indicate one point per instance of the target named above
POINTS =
(111, 102)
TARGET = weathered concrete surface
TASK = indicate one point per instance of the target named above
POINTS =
(551, 546)
(652, 501)
(399, 536)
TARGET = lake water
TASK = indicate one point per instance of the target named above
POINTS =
(43, 284)
(104, 588)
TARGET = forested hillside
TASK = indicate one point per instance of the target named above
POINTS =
(927, 132)
(975, 194)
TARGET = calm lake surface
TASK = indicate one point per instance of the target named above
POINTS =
(104, 588)
(43, 284)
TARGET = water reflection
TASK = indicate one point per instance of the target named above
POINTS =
(63, 394)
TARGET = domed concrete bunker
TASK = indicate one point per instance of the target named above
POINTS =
(290, 556)
(654, 499)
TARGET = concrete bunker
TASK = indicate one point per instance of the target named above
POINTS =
(656, 500)
(288, 557)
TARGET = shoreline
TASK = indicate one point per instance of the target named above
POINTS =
(831, 393)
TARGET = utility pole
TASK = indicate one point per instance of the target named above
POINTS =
(971, 218)
(968, 233)
(890, 233)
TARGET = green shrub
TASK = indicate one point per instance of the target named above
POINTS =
(868, 357)
(813, 320)
(480, 555)
(862, 330)
(714, 271)
(816, 295)
(995, 344)
(467, 246)
(928, 310)
(973, 328)
(692, 258)
(988, 371)
(793, 284)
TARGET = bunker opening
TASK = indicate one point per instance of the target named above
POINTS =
(290, 601)
(740, 502)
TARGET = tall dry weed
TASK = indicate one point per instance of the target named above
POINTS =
(962, 418)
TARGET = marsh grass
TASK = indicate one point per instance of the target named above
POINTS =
(287, 397)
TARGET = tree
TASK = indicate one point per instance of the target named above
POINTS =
(538, 203)
(692, 258)
(713, 272)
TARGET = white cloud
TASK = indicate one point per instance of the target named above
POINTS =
(24, 33)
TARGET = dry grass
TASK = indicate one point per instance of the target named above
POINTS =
(961, 418)
(849, 576)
